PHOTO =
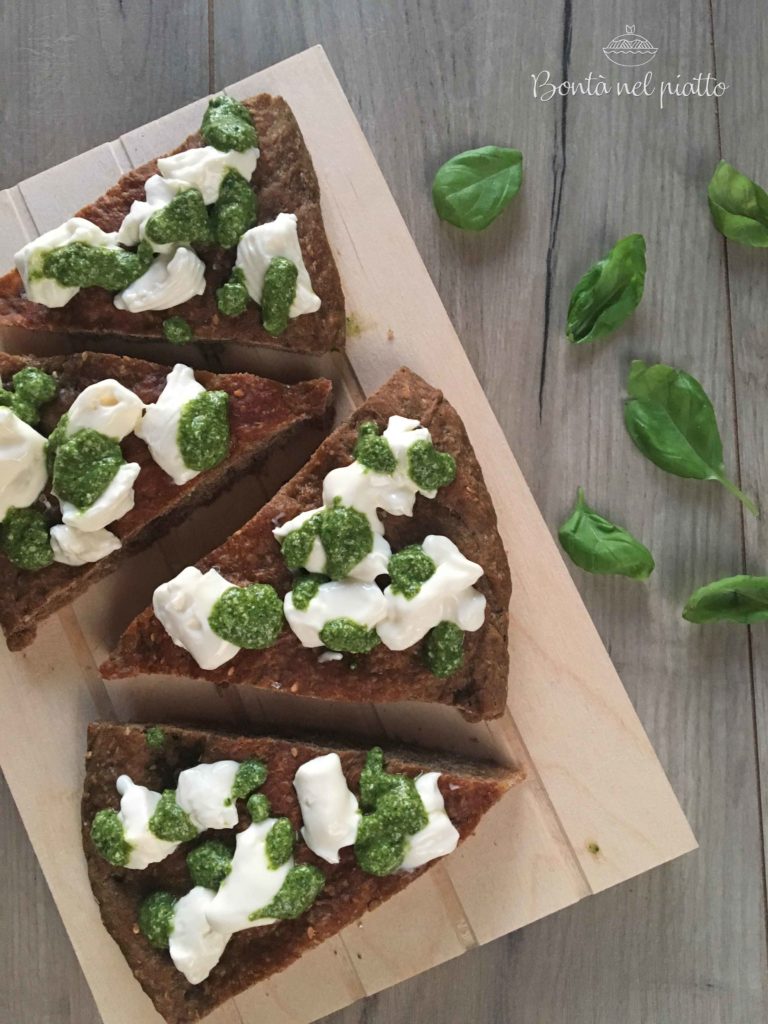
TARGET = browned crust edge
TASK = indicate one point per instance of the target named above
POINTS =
(469, 789)
(462, 511)
(285, 181)
(279, 412)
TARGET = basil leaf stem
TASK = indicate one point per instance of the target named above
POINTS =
(471, 189)
(739, 207)
(608, 293)
(671, 420)
(741, 599)
(597, 545)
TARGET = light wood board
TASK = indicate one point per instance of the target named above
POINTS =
(594, 779)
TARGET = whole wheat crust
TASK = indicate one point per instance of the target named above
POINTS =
(263, 414)
(469, 790)
(463, 511)
(284, 182)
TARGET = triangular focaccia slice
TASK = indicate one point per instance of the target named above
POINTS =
(461, 511)
(154, 757)
(262, 414)
(284, 182)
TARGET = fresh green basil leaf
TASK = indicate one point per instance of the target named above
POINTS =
(596, 544)
(671, 420)
(739, 207)
(608, 293)
(471, 189)
(734, 599)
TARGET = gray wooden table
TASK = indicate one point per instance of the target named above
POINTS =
(686, 943)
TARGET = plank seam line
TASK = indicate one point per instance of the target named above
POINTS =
(750, 638)
(558, 180)
(534, 776)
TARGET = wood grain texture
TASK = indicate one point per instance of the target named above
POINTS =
(685, 943)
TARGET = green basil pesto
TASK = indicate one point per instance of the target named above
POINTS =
(170, 822)
(203, 431)
(156, 918)
(108, 836)
(277, 294)
(84, 465)
(250, 776)
(184, 220)
(279, 845)
(348, 636)
(228, 125)
(209, 864)
(429, 468)
(232, 297)
(177, 330)
(305, 588)
(250, 617)
(345, 534)
(24, 538)
(301, 887)
(444, 649)
(79, 265)
(258, 807)
(394, 810)
(234, 211)
(155, 737)
(373, 451)
(32, 388)
(408, 569)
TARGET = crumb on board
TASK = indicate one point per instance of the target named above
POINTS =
(390, 334)
(354, 327)
(593, 848)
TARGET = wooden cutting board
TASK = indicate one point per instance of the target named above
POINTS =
(596, 809)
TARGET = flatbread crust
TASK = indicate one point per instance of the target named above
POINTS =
(469, 790)
(285, 182)
(463, 511)
(263, 414)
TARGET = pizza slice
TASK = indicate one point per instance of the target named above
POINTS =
(220, 240)
(376, 574)
(101, 454)
(217, 860)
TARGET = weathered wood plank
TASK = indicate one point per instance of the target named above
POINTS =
(741, 48)
(78, 72)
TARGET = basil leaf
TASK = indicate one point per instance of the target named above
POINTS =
(671, 420)
(734, 599)
(596, 544)
(608, 293)
(739, 207)
(471, 189)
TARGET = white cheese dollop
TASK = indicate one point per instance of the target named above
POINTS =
(23, 471)
(73, 547)
(328, 809)
(364, 603)
(160, 426)
(447, 595)
(251, 884)
(205, 793)
(439, 836)
(171, 280)
(367, 569)
(29, 259)
(159, 193)
(194, 946)
(183, 605)
(259, 246)
(106, 406)
(205, 167)
(113, 503)
(137, 805)
(367, 490)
